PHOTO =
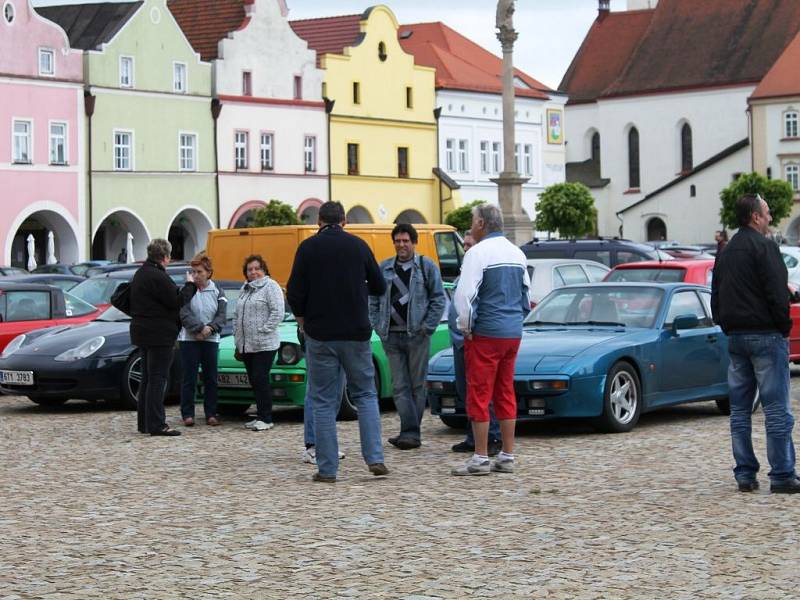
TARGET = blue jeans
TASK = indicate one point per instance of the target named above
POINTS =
(461, 389)
(325, 361)
(308, 412)
(408, 360)
(194, 354)
(762, 361)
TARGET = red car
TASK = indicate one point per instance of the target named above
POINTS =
(697, 271)
(27, 306)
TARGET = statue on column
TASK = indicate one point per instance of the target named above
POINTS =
(505, 16)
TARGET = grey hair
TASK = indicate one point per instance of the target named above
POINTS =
(491, 215)
(158, 249)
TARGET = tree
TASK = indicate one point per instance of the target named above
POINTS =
(461, 217)
(777, 193)
(567, 208)
(275, 213)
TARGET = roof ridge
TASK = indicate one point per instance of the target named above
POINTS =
(359, 15)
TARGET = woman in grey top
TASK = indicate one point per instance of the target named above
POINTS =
(259, 312)
(202, 319)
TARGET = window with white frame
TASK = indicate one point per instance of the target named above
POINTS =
(47, 61)
(310, 153)
(188, 152)
(793, 176)
(58, 143)
(463, 156)
(266, 151)
(126, 71)
(790, 124)
(496, 151)
(517, 152)
(179, 78)
(240, 149)
(450, 155)
(527, 158)
(22, 142)
(123, 150)
(484, 156)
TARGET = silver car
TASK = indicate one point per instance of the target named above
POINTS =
(548, 274)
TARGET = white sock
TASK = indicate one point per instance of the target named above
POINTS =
(505, 456)
(477, 458)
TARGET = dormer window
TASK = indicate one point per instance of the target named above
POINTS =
(382, 56)
(47, 62)
(9, 13)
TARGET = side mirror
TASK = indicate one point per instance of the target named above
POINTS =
(794, 297)
(684, 322)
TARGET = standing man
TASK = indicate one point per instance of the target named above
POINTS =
(750, 301)
(491, 301)
(404, 318)
(332, 276)
(721, 238)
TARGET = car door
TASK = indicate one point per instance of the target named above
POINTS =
(24, 310)
(689, 358)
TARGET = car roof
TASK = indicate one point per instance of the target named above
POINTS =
(635, 284)
(34, 277)
(22, 286)
(668, 264)
(611, 242)
(544, 262)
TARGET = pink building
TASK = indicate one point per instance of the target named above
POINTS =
(42, 174)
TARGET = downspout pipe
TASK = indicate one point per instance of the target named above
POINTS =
(437, 112)
(216, 109)
(88, 107)
(328, 110)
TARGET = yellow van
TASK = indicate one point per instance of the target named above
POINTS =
(229, 247)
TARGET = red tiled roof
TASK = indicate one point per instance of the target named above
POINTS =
(460, 63)
(206, 22)
(604, 53)
(783, 79)
(329, 34)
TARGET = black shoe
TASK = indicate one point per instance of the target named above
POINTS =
(495, 447)
(378, 469)
(463, 447)
(790, 487)
(166, 431)
(408, 444)
(393, 440)
(748, 486)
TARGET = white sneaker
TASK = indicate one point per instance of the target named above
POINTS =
(251, 424)
(262, 426)
(310, 455)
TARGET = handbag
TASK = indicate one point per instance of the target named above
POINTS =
(121, 298)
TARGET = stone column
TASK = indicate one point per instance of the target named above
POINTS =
(518, 226)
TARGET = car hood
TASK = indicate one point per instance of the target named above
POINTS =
(55, 340)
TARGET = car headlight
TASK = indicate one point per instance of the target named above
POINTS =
(289, 354)
(85, 350)
(13, 346)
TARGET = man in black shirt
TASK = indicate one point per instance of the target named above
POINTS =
(750, 301)
(332, 276)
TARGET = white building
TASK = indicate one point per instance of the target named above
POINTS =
(272, 140)
(470, 103)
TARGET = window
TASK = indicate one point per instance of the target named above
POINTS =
(633, 158)
(686, 303)
(298, 87)
(58, 143)
(692, 191)
(484, 157)
(686, 148)
(188, 152)
(47, 61)
(310, 153)
(382, 56)
(356, 93)
(123, 150)
(790, 120)
(27, 306)
(517, 151)
(352, 159)
(402, 162)
(623, 256)
(247, 83)
(409, 97)
(449, 155)
(74, 306)
(22, 142)
(126, 71)
(570, 274)
(266, 151)
(793, 176)
(496, 157)
(463, 158)
(8, 13)
(528, 159)
(601, 256)
(179, 78)
(595, 273)
(240, 140)
(596, 147)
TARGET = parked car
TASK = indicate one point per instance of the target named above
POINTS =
(686, 271)
(13, 271)
(98, 289)
(610, 252)
(288, 374)
(791, 258)
(607, 352)
(82, 267)
(687, 252)
(55, 268)
(548, 274)
(65, 282)
(90, 361)
(28, 306)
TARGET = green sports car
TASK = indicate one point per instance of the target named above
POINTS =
(288, 374)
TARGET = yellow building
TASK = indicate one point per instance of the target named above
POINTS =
(383, 130)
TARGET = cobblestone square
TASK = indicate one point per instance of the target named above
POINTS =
(91, 509)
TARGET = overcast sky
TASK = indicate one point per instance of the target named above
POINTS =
(550, 31)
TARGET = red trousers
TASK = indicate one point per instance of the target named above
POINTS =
(490, 376)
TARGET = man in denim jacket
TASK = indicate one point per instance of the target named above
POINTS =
(404, 317)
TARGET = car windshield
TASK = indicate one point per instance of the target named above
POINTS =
(648, 274)
(601, 305)
(111, 314)
(96, 291)
(75, 307)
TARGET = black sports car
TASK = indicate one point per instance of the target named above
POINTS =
(91, 361)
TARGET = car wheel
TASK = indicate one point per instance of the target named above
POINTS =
(131, 380)
(455, 422)
(724, 404)
(622, 400)
(51, 402)
(232, 410)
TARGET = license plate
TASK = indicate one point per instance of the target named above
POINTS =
(538, 412)
(16, 377)
(233, 380)
(448, 411)
(278, 393)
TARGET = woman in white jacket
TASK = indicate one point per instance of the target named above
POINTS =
(259, 312)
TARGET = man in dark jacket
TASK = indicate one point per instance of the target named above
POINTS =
(332, 276)
(750, 301)
(155, 324)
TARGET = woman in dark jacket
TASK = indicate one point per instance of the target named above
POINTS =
(155, 302)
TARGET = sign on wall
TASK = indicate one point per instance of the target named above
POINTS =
(555, 129)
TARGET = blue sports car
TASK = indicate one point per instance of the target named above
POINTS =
(607, 352)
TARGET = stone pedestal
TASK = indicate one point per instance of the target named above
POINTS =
(516, 224)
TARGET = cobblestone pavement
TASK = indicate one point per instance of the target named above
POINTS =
(90, 509)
